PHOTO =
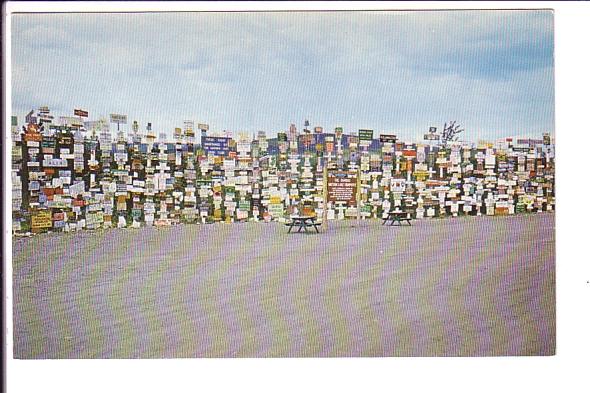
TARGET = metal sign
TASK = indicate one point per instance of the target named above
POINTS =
(70, 121)
(45, 118)
(215, 145)
(365, 135)
(55, 162)
(387, 138)
(119, 119)
(530, 142)
(41, 220)
(80, 112)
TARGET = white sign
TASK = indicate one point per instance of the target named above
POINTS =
(70, 121)
(55, 162)
(116, 118)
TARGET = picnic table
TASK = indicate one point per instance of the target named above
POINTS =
(397, 216)
(303, 222)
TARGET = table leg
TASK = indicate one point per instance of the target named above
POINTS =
(290, 227)
(300, 228)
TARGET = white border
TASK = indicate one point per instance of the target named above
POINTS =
(565, 371)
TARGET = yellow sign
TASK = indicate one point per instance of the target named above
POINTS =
(275, 200)
(41, 219)
(421, 175)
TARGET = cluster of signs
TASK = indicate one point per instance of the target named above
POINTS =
(66, 181)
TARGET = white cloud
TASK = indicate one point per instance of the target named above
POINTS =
(390, 71)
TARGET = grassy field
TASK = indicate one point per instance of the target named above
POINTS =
(470, 286)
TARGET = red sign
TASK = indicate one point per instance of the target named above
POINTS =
(80, 112)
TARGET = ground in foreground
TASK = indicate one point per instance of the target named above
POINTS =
(471, 286)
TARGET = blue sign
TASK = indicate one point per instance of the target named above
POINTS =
(215, 145)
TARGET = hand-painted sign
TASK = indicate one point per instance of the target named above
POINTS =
(342, 187)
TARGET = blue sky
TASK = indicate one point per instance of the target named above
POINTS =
(394, 72)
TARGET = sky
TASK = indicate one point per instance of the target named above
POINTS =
(395, 72)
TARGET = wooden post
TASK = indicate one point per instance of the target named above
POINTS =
(325, 209)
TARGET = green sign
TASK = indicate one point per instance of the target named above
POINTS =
(366, 135)
(282, 137)
(14, 121)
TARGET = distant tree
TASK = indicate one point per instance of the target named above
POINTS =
(450, 132)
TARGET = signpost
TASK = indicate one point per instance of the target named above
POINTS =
(432, 135)
(119, 119)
